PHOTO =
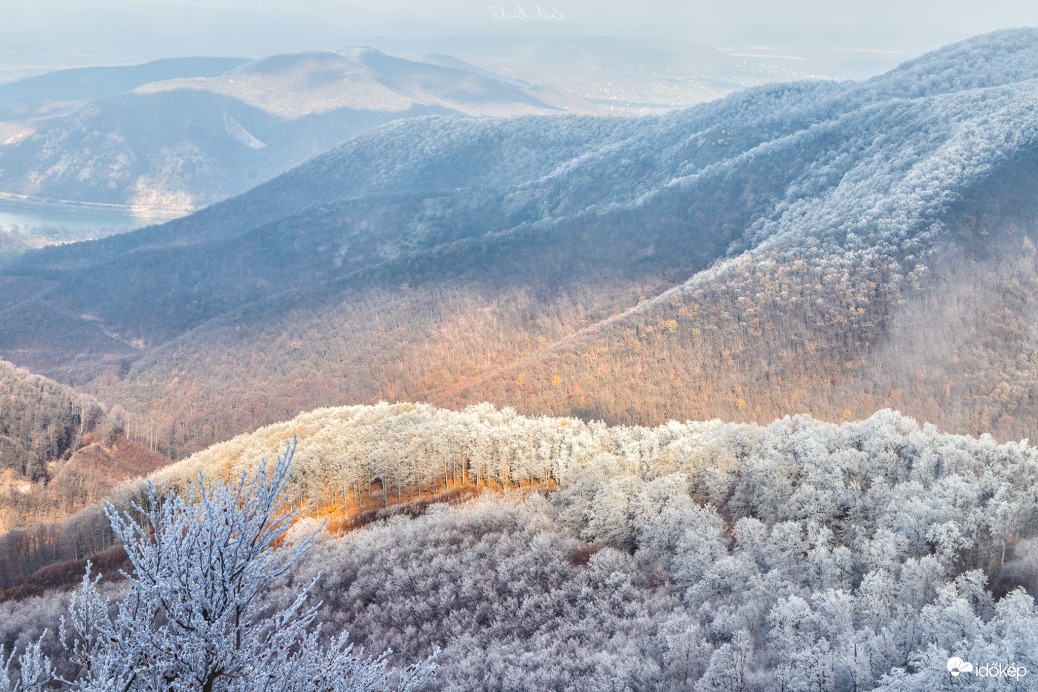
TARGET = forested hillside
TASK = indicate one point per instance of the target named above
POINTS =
(695, 556)
(830, 248)
(14, 244)
(59, 450)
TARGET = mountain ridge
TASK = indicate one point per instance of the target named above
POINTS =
(802, 217)
(193, 136)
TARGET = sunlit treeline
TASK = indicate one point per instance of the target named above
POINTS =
(351, 457)
(347, 454)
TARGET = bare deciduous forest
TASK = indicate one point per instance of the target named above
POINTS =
(60, 450)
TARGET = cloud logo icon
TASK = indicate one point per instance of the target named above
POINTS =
(956, 665)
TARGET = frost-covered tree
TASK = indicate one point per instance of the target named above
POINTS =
(34, 670)
(198, 615)
(798, 555)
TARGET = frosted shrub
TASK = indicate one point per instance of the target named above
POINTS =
(197, 616)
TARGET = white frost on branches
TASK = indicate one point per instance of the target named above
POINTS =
(197, 616)
(34, 670)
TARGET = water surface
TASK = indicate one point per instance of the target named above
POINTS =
(69, 223)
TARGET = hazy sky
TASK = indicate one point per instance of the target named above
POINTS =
(57, 32)
(613, 16)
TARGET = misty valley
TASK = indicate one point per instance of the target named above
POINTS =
(678, 370)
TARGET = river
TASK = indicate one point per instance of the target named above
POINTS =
(67, 223)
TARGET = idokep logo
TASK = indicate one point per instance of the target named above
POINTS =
(956, 666)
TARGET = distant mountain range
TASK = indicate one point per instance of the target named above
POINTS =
(175, 135)
(820, 247)
(64, 91)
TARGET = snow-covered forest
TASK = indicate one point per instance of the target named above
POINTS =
(696, 556)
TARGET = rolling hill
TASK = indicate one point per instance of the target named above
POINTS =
(60, 450)
(173, 136)
(14, 244)
(820, 247)
(65, 91)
